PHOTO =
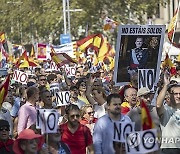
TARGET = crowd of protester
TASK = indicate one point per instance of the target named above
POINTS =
(85, 125)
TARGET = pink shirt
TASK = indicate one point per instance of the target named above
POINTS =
(26, 116)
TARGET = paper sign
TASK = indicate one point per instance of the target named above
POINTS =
(120, 130)
(20, 77)
(62, 98)
(54, 88)
(141, 142)
(46, 119)
(146, 78)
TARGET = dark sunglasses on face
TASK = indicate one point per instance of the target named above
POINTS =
(90, 112)
(76, 115)
(42, 79)
(4, 128)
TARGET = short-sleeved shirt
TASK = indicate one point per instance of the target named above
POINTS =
(170, 125)
(77, 141)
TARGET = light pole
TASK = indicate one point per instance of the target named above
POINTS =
(66, 4)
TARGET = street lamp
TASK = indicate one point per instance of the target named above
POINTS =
(66, 3)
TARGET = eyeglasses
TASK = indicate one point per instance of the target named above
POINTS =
(90, 112)
(4, 128)
(42, 79)
(76, 115)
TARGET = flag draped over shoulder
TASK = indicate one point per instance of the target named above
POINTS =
(24, 61)
(2, 37)
(4, 89)
(146, 119)
(61, 58)
(167, 63)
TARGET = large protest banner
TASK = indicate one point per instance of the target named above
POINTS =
(138, 47)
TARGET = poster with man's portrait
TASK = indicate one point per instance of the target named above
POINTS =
(138, 47)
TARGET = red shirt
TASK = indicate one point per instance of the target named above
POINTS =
(77, 141)
(85, 121)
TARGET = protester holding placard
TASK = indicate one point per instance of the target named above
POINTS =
(45, 99)
(75, 135)
(103, 131)
(27, 112)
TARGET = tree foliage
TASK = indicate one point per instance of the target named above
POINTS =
(25, 20)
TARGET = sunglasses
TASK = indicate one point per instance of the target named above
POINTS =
(76, 115)
(90, 112)
(5, 128)
(42, 79)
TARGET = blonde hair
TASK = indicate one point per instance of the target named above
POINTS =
(84, 108)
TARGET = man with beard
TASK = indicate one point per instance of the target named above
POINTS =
(27, 112)
(103, 130)
(75, 135)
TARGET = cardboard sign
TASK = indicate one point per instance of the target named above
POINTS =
(47, 120)
(146, 78)
(120, 130)
(62, 98)
(54, 88)
(142, 142)
(138, 47)
(20, 77)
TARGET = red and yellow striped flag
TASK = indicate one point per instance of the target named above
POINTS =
(172, 26)
(61, 58)
(4, 89)
(168, 63)
(146, 119)
(2, 37)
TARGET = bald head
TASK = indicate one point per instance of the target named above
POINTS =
(130, 95)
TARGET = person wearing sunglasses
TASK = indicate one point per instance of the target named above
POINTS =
(6, 144)
(77, 136)
(87, 117)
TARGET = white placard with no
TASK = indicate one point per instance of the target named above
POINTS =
(120, 130)
(146, 78)
(142, 142)
(62, 98)
(20, 77)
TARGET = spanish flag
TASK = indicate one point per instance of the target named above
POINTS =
(4, 89)
(172, 27)
(168, 64)
(2, 37)
(32, 54)
(146, 119)
(25, 62)
(61, 58)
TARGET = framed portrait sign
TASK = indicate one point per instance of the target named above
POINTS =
(138, 47)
